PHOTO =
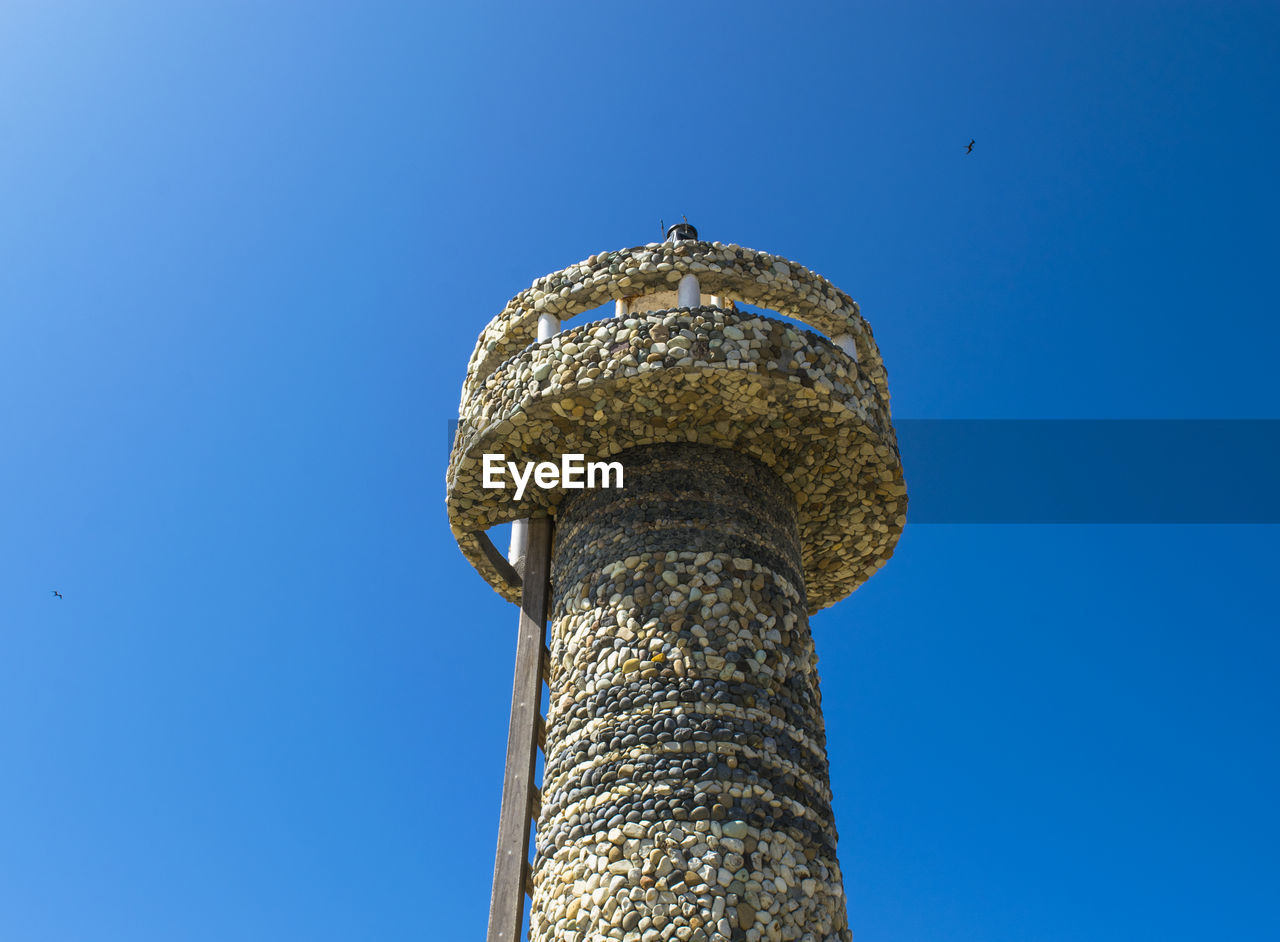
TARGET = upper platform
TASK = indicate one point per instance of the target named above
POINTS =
(791, 398)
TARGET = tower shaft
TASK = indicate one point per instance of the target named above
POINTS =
(686, 793)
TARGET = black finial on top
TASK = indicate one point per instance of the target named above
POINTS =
(682, 232)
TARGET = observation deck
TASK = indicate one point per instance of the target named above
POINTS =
(811, 404)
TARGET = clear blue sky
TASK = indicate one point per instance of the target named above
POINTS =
(245, 250)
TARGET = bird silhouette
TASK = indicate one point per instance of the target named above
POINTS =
(969, 149)
(57, 593)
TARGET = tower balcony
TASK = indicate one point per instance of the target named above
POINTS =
(811, 402)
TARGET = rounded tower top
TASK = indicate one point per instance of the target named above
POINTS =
(812, 406)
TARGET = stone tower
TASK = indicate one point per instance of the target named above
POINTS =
(685, 792)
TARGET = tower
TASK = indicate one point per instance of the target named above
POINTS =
(685, 791)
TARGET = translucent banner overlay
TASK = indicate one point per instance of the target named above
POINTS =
(1089, 470)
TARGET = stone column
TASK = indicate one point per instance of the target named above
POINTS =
(686, 793)
(686, 789)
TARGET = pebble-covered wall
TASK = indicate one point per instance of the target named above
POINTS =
(685, 794)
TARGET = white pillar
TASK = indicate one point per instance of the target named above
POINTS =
(688, 294)
(619, 308)
(548, 326)
(519, 541)
(846, 343)
(714, 300)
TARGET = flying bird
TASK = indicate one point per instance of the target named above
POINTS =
(969, 149)
(57, 593)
